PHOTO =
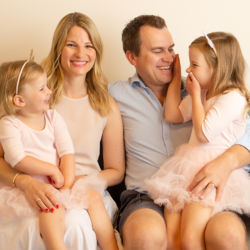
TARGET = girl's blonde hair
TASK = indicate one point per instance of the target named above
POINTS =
(97, 85)
(226, 60)
(9, 73)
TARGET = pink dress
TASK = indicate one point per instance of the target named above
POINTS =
(50, 144)
(223, 125)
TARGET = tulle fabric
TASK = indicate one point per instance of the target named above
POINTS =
(13, 203)
(168, 186)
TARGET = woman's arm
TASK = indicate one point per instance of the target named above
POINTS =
(33, 189)
(173, 97)
(113, 147)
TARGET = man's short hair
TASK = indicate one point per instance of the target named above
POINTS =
(131, 33)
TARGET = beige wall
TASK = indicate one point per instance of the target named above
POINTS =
(27, 24)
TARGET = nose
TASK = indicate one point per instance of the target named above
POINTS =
(188, 70)
(168, 57)
(80, 51)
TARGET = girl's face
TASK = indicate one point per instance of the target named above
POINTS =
(78, 55)
(36, 95)
(200, 68)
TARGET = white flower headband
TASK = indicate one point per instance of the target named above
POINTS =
(21, 71)
(210, 43)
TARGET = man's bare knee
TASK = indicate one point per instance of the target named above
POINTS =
(225, 231)
(144, 229)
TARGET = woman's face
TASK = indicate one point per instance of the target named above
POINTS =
(78, 55)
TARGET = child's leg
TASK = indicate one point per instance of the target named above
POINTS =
(52, 229)
(101, 222)
(193, 223)
(173, 222)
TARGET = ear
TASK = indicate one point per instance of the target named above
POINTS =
(19, 101)
(131, 57)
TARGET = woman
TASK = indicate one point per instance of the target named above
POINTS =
(80, 95)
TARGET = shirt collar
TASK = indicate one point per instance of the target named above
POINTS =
(135, 80)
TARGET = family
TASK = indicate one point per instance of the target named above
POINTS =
(181, 144)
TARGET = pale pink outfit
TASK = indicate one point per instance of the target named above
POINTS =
(85, 127)
(19, 140)
(223, 125)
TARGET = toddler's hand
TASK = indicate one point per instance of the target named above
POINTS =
(57, 178)
(192, 85)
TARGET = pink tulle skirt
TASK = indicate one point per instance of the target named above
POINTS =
(168, 186)
(14, 205)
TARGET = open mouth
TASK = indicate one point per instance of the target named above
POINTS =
(164, 68)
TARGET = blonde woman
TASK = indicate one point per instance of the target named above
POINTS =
(80, 95)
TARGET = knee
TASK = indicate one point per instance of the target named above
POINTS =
(189, 241)
(145, 239)
(144, 234)
(226, 231)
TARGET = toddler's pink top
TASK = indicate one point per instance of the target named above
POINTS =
(19, 140)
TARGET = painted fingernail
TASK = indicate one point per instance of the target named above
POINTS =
(52, 210)
(41, 210)
(57, 206)
(47, 210)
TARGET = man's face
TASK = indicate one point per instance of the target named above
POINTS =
(155, 60)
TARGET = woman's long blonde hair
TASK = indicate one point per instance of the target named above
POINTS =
(97, 85)
(226, 60)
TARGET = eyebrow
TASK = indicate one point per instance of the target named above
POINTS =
(161, 47)
(72, 41)
(171, 46)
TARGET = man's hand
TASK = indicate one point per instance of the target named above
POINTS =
(213, 175)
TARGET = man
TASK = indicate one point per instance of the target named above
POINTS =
(149, 141)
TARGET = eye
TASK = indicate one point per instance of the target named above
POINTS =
(70, 45)
(89, 46)
(157, 51)
(171, 50)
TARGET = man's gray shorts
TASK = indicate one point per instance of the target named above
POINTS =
(132, 200)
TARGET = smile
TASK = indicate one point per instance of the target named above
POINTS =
(79, 63)
(165, 68)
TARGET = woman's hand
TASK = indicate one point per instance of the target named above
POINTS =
(40, 195)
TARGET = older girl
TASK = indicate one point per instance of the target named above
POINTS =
(217, 104)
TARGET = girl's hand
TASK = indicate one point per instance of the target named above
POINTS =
(57, 178)
(40, 195)
(176, 71)
(192, 85)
